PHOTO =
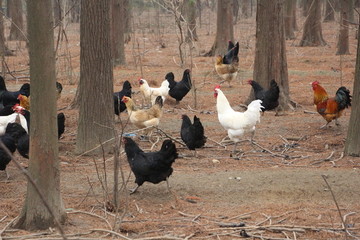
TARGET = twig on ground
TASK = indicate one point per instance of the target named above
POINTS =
(337, 205)
(91, 214)
(169, 136)
(323, 160)
(7, 225)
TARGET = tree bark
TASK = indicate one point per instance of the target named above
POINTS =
(96, 118)
(44, 163)
(353, 137)
(343, 40)
(17, 21)
(312, 35)
(224, 28)
(118, 28)
(270, 56)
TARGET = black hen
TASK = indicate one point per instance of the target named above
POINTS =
(119, 106)
(10, 98)
(231, 57)
(21, 138)
(59, 89)
(153, 167)
(10, 143)
(192, 133)
(178, 90)
(60, 124)
(270, 97)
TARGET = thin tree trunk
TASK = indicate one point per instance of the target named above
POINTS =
(44, 164)
(17, 24)
(343, 40)
(353, 137)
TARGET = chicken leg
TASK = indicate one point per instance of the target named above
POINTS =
(134, 189)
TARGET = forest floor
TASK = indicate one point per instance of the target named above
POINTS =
(276, 188)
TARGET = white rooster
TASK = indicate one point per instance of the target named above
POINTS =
(237, 123)
(151, 93)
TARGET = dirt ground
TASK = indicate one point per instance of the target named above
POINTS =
(275, 189)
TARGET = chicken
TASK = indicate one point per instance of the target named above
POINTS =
(14, 117)
(11, 98)
(330, 108)
(21, 138)
(153, 167)
(119, 106)
(231, 57)
(5, 159)
(60, 119)
(60, 124)
(59, 89)
(227, 66)
(237, 123)
(24, 101)
(178, 90)
(150, 93)
(192, 133)
(270, 97)
(144, 118)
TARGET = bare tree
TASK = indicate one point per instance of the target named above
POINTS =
(4, 50)
(246, 7)
(343, 40)
(289, 18)
(312, 34)
(117, 31)
(270, 56)
(96, 118)
(329, 11)
(17, 23)
(224, 28)
(44, 164)
(353, 137)
(190, 16)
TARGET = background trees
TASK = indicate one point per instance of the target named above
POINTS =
(312, 34)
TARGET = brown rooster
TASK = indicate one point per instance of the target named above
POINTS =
(330, 108)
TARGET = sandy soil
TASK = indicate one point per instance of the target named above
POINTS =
(275, 187)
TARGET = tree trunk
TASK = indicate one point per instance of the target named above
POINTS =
(294, 22)
(74, 11)
(289, 19)
(270, 56)
(17, 22)
(118, 28)
(4, 51)
(224, 28)
(353, 137)
(329, 11)
(96, 118)
(343, 40)
(44, 163)
(312, 35)
(190, 15)
(246, 8)
(128, 16)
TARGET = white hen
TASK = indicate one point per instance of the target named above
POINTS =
(15, 117)
(237, 123)
(151, 93)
